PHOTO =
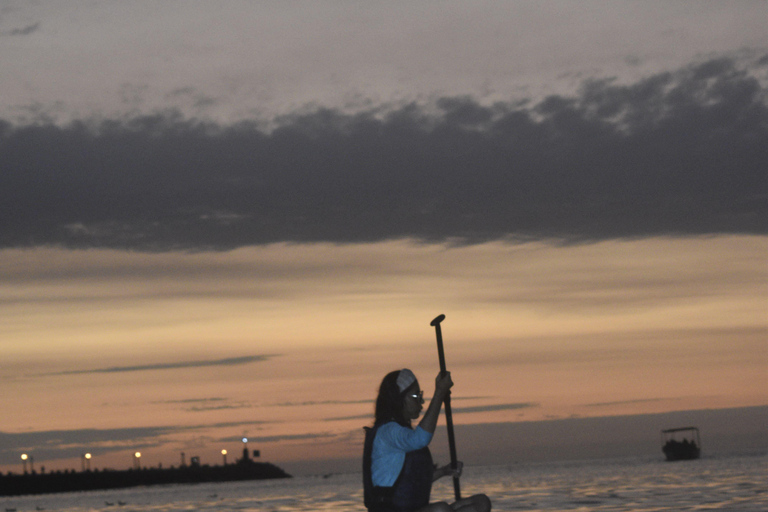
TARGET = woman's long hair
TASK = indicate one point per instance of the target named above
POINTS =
(390, 402)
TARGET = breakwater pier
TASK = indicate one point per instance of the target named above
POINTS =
(69, 481)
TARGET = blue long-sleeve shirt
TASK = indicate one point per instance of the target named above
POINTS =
(391, 444)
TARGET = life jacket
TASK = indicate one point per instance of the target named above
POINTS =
(411, 489)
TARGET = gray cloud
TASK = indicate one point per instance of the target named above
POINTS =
(231, 361)
(678, 153)
(24, 31)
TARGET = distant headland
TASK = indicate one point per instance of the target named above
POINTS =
(69, 481)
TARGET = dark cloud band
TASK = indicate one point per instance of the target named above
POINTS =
(678, 153)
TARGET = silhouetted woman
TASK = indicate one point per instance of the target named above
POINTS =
(397, 466)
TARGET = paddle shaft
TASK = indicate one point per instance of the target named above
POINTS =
(447, 402)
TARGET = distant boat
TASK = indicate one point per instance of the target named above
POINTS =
(681, 443)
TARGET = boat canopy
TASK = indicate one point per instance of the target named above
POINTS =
(680, 429)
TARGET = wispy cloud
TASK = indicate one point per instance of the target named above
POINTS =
(353, 417)
(206, 404)
(192, 401)
(628, 402)
(273, 439)
(223, 407)
(470, 409)
(495, 407)
(229, 424)
(322, 402)
(231, 361)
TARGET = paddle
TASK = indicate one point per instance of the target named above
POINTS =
(448, 418)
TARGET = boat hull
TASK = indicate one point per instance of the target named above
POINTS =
(680, 451)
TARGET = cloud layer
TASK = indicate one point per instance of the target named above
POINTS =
(50, 445)
(677, 153)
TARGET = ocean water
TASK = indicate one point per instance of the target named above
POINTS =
(738, 483)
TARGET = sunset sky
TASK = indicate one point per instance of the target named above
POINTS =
(232, 219)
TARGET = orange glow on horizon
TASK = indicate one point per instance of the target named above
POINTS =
(111, 340)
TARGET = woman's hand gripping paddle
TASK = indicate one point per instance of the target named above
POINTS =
(448, 418)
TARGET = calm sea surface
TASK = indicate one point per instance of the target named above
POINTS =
(715, 483)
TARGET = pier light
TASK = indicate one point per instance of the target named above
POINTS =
(224, 454)
(137, 460)
(87, 457)
(24, 459)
